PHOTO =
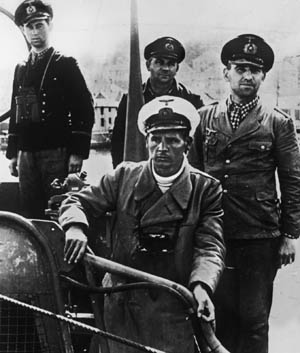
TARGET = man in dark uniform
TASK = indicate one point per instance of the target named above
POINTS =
(163, 57)
(244, 143)
(168, 223)
(51, 112)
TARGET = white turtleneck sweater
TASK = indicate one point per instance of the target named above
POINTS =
(164, 183)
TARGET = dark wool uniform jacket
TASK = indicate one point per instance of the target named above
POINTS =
(193, 202)
(246, 161)
(118, 135)
(65, 103)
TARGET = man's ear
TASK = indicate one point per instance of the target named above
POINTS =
(148, 62)
(177, 67)
(225, 74)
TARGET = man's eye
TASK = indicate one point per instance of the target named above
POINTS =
(240, 70)
(172, 141)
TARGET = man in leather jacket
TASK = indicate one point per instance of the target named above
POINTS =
(52, 113)
(246, 145)
(168, 223)
(163, 57)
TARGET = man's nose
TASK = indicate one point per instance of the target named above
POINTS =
(162, 146)
(248, 74)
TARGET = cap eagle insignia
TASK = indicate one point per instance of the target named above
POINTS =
(169, 46)
(250, 47)
(30, 9)
(166, 101)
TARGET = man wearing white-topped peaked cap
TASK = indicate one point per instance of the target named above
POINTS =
(169, 223)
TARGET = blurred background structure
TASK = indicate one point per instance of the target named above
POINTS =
(96, 32)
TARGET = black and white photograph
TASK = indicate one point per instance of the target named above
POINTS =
(149, 176)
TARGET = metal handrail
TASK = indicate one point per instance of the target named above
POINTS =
(203, 330)
(4, 116)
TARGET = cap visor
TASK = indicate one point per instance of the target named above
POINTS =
(167, 127)
(36, 18)
(166, 56)
(246, 62)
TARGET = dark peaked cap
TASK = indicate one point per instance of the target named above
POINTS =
(165, 47)
(248, 49)
(30, 10)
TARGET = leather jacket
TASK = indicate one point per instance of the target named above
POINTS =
(251, 162)
(193, 203)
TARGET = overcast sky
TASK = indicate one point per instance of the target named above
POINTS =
(98, 26)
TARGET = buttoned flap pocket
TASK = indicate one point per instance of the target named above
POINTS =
(268, 207)
(261, 146)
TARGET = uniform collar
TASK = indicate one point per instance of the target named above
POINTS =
(38, 57)
(237, 112)
(148, 89)
(180, 190)
(248, 126)
(248, 105)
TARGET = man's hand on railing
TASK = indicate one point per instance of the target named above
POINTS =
(206, 308)
(75, 244)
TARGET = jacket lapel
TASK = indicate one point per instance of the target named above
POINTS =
(145, 184)
(221, 120)
(171, 205)
(223, 126)
(249, 125)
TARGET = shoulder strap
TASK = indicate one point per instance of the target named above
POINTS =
(46, 69)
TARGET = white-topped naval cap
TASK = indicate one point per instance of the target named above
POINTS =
(168, 113)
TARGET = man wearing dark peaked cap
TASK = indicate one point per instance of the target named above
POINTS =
(248, 48)
(163, 57)
(244, 143)
(168, 223)
(30, 10)
(52, 112)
